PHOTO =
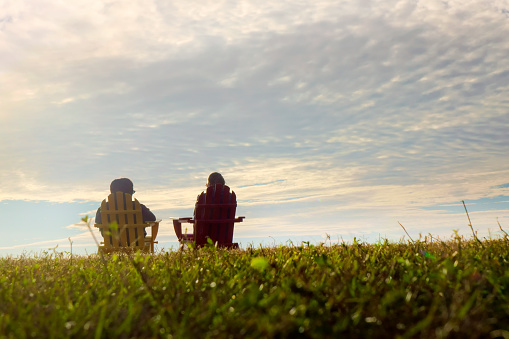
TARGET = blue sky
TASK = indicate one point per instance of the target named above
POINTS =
(336, 118)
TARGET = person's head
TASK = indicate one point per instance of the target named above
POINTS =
(123, 185)
(215, 178)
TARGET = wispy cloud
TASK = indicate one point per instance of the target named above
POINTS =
(386, 104)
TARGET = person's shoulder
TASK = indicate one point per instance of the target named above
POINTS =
(144, 207)
(147, 213)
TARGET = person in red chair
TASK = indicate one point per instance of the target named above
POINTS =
(214, 216)
(215, 178)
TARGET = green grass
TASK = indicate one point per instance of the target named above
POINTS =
(458, 288)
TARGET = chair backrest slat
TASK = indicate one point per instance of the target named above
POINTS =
(231, 214)
(128, 237)
(223, 214)
(215, 212)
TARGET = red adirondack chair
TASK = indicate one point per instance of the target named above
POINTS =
(214, 218)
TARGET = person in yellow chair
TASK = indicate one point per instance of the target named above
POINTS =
(125, 185)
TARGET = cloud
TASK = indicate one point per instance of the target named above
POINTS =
(82, 226)
(37, 245)
(362, 106)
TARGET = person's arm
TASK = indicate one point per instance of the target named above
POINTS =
(199, 199)
(98, 219)
(147, 214)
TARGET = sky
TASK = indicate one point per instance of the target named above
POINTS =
(331, 120)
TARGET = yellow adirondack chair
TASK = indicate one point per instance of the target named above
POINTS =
(122, 225)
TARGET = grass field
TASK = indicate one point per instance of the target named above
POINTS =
(423, 289)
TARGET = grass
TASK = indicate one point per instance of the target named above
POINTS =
(423, 289)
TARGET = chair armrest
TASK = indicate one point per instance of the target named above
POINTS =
(177, 225)
(155, 227)
(219, 221)
(181, 220)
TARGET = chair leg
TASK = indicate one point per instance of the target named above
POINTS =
(177, 226)
(182, 246)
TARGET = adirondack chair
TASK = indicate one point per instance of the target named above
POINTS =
(123, 228)
(214, 218)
